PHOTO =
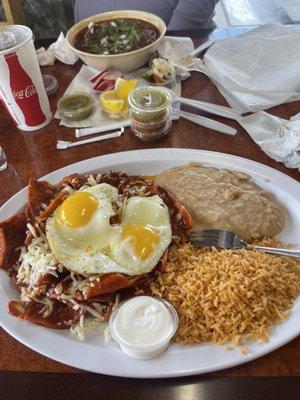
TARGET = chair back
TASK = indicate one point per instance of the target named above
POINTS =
(13, 12)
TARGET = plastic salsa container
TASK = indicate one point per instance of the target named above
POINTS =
(143, 326)
(75, 106)
(148, 103)
(50, 83)
(150, 112)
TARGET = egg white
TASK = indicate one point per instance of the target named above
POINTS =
(150, 212)
(97, 247)
(80, 249)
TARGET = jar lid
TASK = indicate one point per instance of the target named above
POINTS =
(149, 99)
(50, 83)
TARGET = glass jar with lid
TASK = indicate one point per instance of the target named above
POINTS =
(150, 112)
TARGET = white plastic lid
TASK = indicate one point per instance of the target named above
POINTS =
(12, 36)
(50, 83)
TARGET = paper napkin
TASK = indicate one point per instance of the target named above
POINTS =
(258, 69)
(57, 50)
(278, 138)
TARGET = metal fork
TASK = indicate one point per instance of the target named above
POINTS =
(228, 240)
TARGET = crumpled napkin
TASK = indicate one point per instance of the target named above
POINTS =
(81, 83)
(175, 47)
(278, 138)
(172, 47)
(257, 70)
(57, 50)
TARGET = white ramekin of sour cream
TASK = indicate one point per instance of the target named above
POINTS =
(143, 326)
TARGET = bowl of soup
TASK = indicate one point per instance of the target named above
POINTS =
(122, 40)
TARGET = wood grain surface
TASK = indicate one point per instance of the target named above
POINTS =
(35, 154)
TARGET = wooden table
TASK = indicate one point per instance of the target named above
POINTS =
(35, 154)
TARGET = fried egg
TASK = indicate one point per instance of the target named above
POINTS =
(143, 235)
(80, 229)
(82, 239)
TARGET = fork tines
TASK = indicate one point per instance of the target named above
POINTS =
(221, 238)
(207, 232)
(206, 238)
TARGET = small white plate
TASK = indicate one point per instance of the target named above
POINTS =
(106, 358)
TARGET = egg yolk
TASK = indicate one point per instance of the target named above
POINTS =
(142, 238)
(77, 209)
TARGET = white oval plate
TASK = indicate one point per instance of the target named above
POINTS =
(106, 358)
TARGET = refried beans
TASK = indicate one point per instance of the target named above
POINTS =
(224, 199)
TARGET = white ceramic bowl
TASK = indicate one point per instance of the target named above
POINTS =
(122, 62)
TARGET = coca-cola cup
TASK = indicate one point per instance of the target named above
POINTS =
(22, 90)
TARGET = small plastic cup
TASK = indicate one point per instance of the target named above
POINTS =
(147, 351)
(115, 115)
(50, 83)
(150, 112)
(169, 84)
(75, 106)
(152, 131)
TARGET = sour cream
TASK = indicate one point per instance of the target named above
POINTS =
(143, 326)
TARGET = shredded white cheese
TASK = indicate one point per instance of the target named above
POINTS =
(77, 284)
(92, 181)
(107, 335)
(47, 307)
(87, 325)
(36, 261)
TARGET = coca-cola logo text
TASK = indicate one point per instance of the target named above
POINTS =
(24, 93)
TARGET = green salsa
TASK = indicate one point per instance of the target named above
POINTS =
(149, 104)
(75, 106)
(150, 112)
